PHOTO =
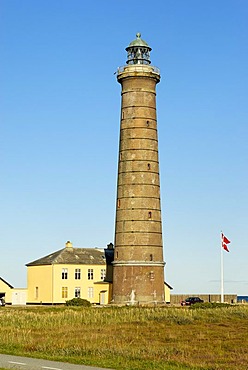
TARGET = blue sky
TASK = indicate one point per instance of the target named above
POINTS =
(59, 130)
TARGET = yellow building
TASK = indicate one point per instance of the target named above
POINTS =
(5, 290)
(11, 295)
(68, 273)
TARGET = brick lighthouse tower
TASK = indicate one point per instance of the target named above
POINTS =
(138, 266)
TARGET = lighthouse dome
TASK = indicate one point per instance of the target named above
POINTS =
(138, 42)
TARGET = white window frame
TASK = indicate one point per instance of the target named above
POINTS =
(64, 292)
(90, 274)
(64, 274)
(103, 274)
(77, 292)
(90, 292)
(77, 274)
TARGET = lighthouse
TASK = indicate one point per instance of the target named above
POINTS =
(138, 266)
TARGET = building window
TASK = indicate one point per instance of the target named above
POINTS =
(90, 274)
(151, 257)
(77, 292)
(77, 274)
(64, 292)
(90, 292)
(118, 203)
(36, 292)
(147, 123)
(103, 274)
(149, 214)
(64, 274)
(148, 166)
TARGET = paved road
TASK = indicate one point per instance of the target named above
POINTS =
(26, 363)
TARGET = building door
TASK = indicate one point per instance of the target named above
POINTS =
(102, 297)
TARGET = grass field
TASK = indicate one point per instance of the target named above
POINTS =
(130, 338)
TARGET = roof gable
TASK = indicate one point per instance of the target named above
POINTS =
(5, 282)
(72, 256)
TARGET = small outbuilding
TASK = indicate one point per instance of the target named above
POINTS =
(5, 291)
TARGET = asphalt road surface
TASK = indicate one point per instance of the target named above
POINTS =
(26, 363)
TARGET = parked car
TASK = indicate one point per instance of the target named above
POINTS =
(2, 302)
(191, 300)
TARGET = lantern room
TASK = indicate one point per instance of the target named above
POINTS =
(138, 51)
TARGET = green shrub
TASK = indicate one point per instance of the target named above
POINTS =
(78, 302)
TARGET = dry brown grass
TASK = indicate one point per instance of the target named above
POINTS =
(130, 338)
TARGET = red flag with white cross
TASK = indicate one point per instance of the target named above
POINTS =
(225, 241)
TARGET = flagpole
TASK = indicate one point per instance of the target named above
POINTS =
(223, 245)
(222, 270)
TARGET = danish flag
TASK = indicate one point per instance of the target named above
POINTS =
(224, 241)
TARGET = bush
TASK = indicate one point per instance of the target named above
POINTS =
(78, 302)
